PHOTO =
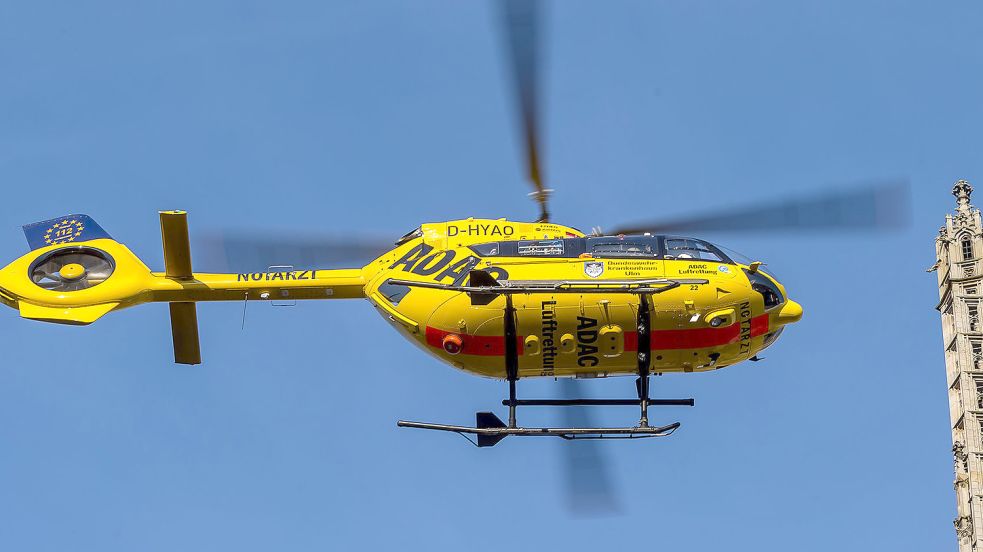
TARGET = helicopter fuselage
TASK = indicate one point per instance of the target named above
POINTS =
(587, 324)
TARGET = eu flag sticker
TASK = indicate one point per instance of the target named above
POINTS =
(66, 229)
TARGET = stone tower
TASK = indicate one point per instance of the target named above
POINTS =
(959, 252)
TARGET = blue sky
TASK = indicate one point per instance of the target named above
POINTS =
(337, 118)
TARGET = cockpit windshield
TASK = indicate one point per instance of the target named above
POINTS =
(745, 260)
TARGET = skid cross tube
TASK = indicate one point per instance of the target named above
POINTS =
(600, 402)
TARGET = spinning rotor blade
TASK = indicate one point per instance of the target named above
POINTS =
(878, 206)
(245, 252)
(589, 491)
(520, 27)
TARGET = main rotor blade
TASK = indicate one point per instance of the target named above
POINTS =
(250, 252)
(883, 205)
(521, 28)
(588, 487)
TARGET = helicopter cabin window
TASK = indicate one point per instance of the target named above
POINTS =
(566, 247)
(967, 247)
(688, 248)
(486, 249)
(623, 246)
(540, 248)
(393, 292)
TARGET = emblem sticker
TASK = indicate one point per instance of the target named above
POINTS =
(594, 268)
(63, 231)
(69, 228)
(724, 268)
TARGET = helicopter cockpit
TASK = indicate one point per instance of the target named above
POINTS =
(643, 246)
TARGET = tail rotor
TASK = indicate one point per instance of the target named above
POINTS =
(72, 269)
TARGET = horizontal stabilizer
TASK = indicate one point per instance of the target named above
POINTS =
(8, 300)
(177, 248)
(184, 330)
(77, 316)
(177, 265)
(66, 229)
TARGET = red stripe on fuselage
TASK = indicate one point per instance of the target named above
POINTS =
(664, 340)
(698, 338)
(759, 325)
(481, 345)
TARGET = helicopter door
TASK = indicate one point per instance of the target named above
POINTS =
(566, 334)
(591, 334)
(666, 357)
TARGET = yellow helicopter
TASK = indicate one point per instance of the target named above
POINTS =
(496, 298)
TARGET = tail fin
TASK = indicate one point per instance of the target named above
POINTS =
(69, 228)
(69, 255)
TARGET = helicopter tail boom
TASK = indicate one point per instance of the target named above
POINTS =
(76, 273)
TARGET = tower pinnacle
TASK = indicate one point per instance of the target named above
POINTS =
(962, 190)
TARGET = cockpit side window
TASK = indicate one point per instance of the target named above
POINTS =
(768, 290)
(689, 248)
(623, 246)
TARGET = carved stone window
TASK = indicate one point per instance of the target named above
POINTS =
(977, 355)
(971, 290)
(967, 248)
(973, 315)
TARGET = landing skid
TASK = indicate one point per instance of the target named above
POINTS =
(489, 429)
(491, 435)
